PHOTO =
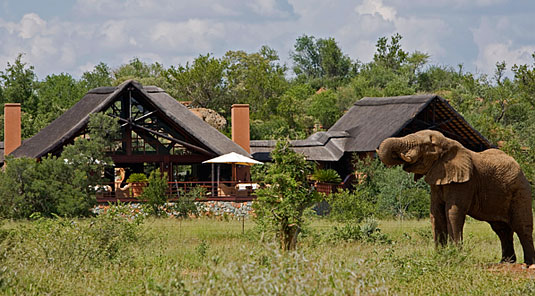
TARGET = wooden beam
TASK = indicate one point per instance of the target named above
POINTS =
(144, 116)
(185, 144)
(186, 159)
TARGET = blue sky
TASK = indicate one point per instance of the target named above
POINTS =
(73, 36)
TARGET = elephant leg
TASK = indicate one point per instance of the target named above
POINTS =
(455, 217)
(522, 223)
(524, 230)
(505, 233)
(526, 240)
(439, 224)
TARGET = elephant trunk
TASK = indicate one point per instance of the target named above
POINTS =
(390, 151)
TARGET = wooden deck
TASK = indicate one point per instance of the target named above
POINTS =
(213, 191)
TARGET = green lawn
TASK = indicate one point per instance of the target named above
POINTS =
(211, 257)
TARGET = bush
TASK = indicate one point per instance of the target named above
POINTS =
(64, 185)
(348, 205)
(155, 194)
(185, 205)
(392, 190)
(70, 246)
(352, 231)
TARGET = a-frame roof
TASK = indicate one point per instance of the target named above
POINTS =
(74, 120)
(372, 119)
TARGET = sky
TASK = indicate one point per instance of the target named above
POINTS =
(72, 36)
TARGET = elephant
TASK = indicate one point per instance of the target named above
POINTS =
(488, 186)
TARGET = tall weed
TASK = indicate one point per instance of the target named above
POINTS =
(60, 247)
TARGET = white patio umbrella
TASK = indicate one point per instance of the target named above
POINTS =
(230, 158)
(233, 158)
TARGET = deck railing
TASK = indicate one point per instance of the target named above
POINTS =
(221, 191)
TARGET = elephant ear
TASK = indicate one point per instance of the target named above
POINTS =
(455, 165)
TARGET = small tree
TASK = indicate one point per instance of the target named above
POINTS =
(280, 205)
(156, 192)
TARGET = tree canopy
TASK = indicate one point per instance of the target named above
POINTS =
(309, 94)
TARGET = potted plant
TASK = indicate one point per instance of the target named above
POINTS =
(326, 176)
(137, 182)
(326, 180)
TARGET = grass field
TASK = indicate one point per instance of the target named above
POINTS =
(211, 257)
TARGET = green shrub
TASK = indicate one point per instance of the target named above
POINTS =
(326, 176)
(392, 190)
(69, 246)
(185, 205)
(348, 205)
(64, 185)
(137, 178)
(352, 231)
(155, 194)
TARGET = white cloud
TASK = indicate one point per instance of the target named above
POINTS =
(447, 4)
(373, 7)
(174, 32)
(497, 40)
(267, 8)
(114, 34)
(192, 35)
(497, 52)
(422, 33)
(31, 25)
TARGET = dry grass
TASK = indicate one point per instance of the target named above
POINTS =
(209, 257)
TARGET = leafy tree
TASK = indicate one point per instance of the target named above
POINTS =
(202, 83)
(390, 55)
(19, 82)
(62, 185)
(438, 78)
(275, 127)
(281, 204)
(255, 78)
(393, 72)
(100, 76)
(306, 57)
(322, 106)
(146, 74)
(320, 60)
(525, 81)
(56, 94)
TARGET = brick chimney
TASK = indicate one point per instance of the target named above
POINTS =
(12, 138)
(240, 126)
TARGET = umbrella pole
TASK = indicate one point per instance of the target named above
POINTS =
(213, 183)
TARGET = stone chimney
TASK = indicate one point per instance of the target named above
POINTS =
(240, 126)
(12, 138)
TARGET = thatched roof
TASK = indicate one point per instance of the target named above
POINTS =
(372, 119)
(74, 120)
(321, 146)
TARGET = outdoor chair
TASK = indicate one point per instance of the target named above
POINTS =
(121, 192)
(225, 190)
